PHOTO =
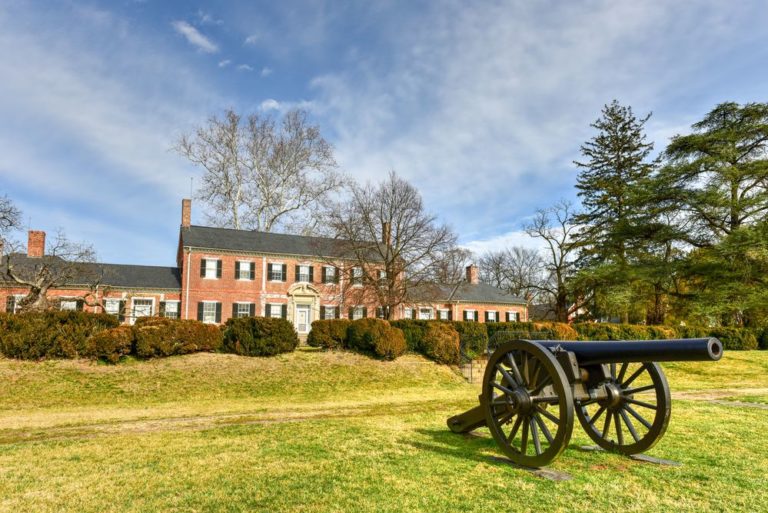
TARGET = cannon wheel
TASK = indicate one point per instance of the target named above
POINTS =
(636, 413)
(528, 403)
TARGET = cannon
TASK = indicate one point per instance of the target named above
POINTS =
(532, 389)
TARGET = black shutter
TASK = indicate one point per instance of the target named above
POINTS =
(351, 313)
(450, 315)
(285, 272)
(121, 311)
(200, 307)
(218, 270)
(486, 316)
(202, 268)
(322, 312)
(234, 310)
(466, 317)
(298, 270)
(311, 274)
(218, 312)
(284, 312)
(252, 309)
(509, 316)
(477, 316)
(379, 312)
(338, 312)
(365, 312)
(413, 313)
(336, 275)
(79, 305)
(237, 270)
(253, 271)
(161, 309)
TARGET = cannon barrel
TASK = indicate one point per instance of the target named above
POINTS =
(621, 351)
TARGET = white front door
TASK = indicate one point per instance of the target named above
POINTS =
(303, 318)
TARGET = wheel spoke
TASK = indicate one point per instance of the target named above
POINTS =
(633, 377)
(637, 416)
(607, 425)
(642, 403)
(526, 358)
(631, 428)
(624, 367)
(547, 380)
(619, 434)
(515, 427)
(544, 428)
(515, 369)
(535, 374)
(507, 375)
(503, 420)
(535, 437)
(524, 441)
(613, 370)
(502, 388)
(587, 402)
(638, 390)
(548, 415)
(597, 414)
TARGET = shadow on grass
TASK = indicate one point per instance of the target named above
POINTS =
(470, 446)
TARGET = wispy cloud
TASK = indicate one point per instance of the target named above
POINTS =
(271, 104)
(194, 37)
(204, 18)
(224, 63)
(252, 39)
(244, 67)
(265, 72)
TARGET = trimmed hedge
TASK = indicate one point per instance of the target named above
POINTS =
(376, 336)
(473, 337)
(329, 333)
(259, 336)
(112, 344)
(52, 334)
(441, 343)
(160, 336)
(413, 331)
(735, 338)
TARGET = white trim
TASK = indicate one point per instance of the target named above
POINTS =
(133, 307)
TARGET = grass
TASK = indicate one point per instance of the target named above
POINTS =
(315, 431)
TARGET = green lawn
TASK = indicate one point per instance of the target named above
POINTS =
(316, 431)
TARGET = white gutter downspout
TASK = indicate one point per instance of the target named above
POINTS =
(186, 301)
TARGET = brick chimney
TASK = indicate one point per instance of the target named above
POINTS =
(472, 274)
(186, 213)
(36, 244)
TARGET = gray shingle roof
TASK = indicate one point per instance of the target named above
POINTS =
(114, 275)
(262, 242)
(464, 293)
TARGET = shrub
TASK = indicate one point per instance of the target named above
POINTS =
(441, 343)
(557, 330)
(692, 332)
(160, 336)
(329, 334)
(111, 345)
(735, 338)
(375, 336)
(259, 336)
(52, 334)
(473, 337)
(762, 338)
(520, 329)
(413, 331)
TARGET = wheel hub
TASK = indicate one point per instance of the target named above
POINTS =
(614, 397)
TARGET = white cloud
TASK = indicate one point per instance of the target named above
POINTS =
(244, 67)
(224, 63)
(205, 18)
(503, 241)
(282, 107)
(265, 72)
(194, 37)
(252, 39)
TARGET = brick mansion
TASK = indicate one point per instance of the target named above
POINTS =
(222, 273)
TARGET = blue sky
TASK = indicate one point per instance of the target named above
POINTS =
(482, 105)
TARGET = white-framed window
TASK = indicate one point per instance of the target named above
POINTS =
(304, 273)
(170, 309)
(275, 311)
(513, 316)
(407, 313)
(425, 314)
(329, 274)
(209, 312)
(242, 309)
(211, 268)
(382, 274)
(68, 304)
(329, 312)
(142, 307)
(112, 306)
(492, 316)
(357, 276)
(276, 272)
(358, 313)
(244, 270)
(12, 303)
(470, 315)
(444, 314)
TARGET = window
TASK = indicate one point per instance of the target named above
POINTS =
(142, 308)
(408, 313)
(425, 314)
(12, 303)
(210, 268)
(382, 278)
(243, 310)
(329, 312)
(491, 316)
(444, 314)
(276, 272)
(304, 273)
(169, 309)
(357, 276)
(357, 312)
(277, 311)
(209, 312)
(513, 316)
(330, 274)
(470, 315)
(245, 270)
(68, 304)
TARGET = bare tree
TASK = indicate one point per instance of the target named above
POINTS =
(261, 174)
(555, 226)
(65, 263)
(451, 269)
(10, 216)
(391, 240)
(516, 269)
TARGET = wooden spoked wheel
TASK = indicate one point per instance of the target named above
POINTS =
(528, 403)
(636, 412)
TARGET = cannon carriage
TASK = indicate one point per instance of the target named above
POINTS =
(532, 390)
